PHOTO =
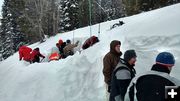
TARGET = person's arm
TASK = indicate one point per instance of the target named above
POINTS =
(41, 55)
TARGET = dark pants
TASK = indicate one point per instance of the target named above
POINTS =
(36, 59)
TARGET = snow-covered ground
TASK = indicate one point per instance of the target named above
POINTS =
(79, 77)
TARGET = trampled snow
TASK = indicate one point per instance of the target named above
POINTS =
(79, 77)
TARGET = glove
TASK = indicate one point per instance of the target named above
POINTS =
(77, 42)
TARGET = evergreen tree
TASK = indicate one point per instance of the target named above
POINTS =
(7, 30)
(69, 12)
(10, 34)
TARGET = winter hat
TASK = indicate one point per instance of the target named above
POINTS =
(165, 58)
(68, 41)
(129, 54)
(60, 42)
(114, 43)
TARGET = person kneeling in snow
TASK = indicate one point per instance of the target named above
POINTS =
(90, 41)
(122, 76)
(55, 53)
(150, 86)
(24, 53)
(35, 55)
(69, 49)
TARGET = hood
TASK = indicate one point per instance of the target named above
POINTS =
(112, 47)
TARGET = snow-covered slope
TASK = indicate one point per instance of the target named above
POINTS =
(79, 77)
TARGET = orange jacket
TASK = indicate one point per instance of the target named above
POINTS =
(54, 56)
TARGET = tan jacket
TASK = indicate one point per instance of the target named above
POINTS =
(69, 48)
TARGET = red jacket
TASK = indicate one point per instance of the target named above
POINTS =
(24, 53)
(36, 53)
(90, 41)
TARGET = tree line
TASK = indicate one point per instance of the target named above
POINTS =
(29, 21)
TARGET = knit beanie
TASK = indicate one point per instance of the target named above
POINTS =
(165, 58)
(129, 54)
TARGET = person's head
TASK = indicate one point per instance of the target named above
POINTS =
(95, 39)
(130, 57)
(60, 42)
(115, 46)
(37, 49)
(165, 59)
(68, 41)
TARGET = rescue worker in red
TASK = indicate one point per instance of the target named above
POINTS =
(24, 53)
(35, 55)
(90, 41)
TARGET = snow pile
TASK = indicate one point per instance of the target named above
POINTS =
(79, 77)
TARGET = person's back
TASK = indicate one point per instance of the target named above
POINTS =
(62, 47)
(68, 49)
(86, 44)
(24, 53)
(150, 86)
(90, 41)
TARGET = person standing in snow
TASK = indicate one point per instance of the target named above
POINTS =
(35, 55)
(122, 76)
(150, 86)
(110, 61)
(69, 48)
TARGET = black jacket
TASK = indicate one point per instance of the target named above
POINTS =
(121, 79)
(151, 85)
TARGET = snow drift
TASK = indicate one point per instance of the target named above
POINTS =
(79, 77)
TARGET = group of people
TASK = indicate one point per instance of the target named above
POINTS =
(29, 55)
(62, 50)
(122, 83)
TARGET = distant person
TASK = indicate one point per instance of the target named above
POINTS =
(69, 49)
(90, 41)
(110, 61)
(122, 76)
(35, 55)
(120, 23)
(150, 86)
(24, 53)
